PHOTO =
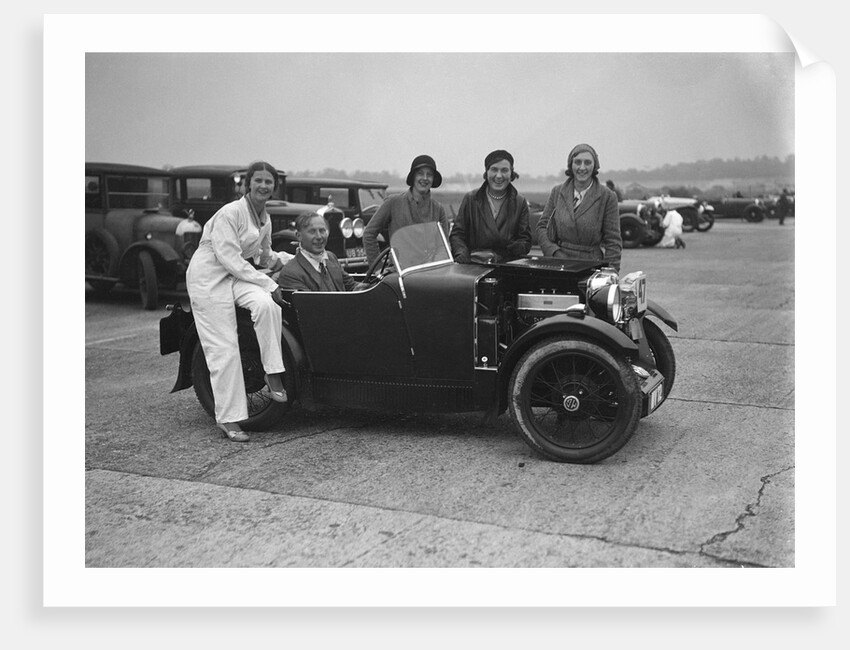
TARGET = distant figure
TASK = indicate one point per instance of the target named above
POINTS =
(313, 268)
(738, 195)
(581, 220)
(672, 224)
(413, 206)
(494, 218)
(610, 184)
(783, 205)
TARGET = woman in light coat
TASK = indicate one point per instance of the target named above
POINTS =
(581, 219)
(219, 278)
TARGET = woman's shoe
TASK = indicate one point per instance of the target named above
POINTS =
(277, 395)
(232, 431)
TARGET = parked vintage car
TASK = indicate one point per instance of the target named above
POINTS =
(348, 206)
(566, 346)
(640, 223)
(696, 214)
(771, 205)
(130, 237)
(736, 207)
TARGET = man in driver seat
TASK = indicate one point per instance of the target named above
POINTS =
(313, 268)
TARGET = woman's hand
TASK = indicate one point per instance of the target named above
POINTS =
(277, 296)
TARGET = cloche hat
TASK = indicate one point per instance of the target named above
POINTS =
(424, 161)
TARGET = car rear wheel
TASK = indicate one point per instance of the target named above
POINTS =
(705, 221)
(101, 254)
(753, 214)
(632, 231)
(148, 283)
(573, 401)
(263, 412)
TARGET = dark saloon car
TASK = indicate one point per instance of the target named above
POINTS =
(130, 237)
(739, 207)
(348, 205)
(203, 189)
(567, 347)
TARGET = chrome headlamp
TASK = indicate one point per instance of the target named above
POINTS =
(358, 227)
(603, 295)
(346, 227)
(188, 233)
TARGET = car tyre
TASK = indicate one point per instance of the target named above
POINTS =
(632, 231)
(573, 401)
(662, 351)
(148, 283)
(690, 218)
(753, 214)
(263, 412)
(101, 254)
(705, 221)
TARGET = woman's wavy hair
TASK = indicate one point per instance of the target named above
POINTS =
(261, 165)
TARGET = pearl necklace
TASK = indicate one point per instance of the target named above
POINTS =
(496, 198)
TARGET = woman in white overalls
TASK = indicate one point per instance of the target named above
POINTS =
(220, 277)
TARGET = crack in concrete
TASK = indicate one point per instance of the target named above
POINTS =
(740, 520)
(714, 401)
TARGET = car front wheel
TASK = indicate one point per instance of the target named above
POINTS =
(573, 401)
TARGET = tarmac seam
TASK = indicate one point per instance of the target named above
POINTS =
(714, 401)
(744, 342)
(740, 520)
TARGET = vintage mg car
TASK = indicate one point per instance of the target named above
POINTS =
(566, 347)
(130, 237)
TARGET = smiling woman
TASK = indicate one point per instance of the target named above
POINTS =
(219, 278)
(581, 219)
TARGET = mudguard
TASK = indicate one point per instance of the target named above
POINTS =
(662, 314)
(593, 329)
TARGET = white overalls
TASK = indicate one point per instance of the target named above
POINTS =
(220, 277)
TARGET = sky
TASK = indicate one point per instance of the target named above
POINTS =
(375, 111)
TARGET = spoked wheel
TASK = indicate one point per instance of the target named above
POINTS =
(573, 401)
(263, 412)
(632, 231)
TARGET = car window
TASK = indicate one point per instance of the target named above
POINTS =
(370, 198)
(138, 192)
(339, 196)
(198, 189)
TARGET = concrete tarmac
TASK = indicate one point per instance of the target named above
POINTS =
(707, 480)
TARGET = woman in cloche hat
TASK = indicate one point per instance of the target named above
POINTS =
(413, 206)
(492, 219)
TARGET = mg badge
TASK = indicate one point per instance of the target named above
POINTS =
(571, 403)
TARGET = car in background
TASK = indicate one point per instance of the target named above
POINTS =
(771, 205)
(347, 204)
(130, 236)
(640, 223)
(750, 209)
(202, 189)
(696, 213)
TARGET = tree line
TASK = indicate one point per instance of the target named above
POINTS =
(738, 168)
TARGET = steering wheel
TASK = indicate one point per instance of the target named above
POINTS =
(373, 275)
